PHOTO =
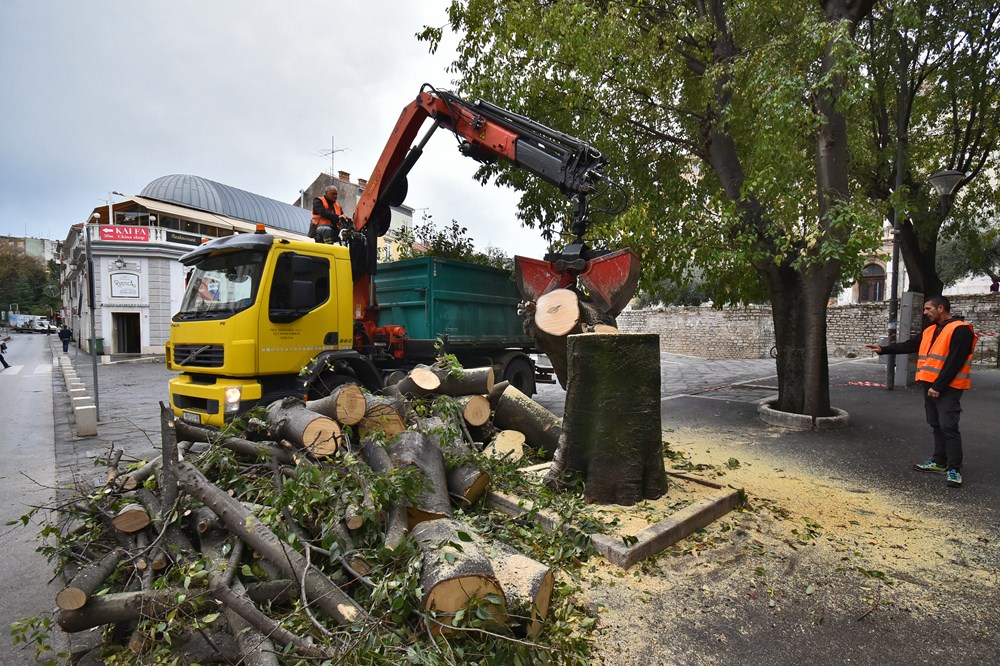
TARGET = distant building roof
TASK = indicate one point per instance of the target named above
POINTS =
(207, 195)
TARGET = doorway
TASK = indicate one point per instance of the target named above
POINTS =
(126, 333)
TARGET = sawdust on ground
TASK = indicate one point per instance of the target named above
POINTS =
(846, 574)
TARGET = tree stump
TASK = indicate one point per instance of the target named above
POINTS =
(611, 426)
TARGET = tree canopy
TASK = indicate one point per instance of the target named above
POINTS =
(727, 125)
(27, 282)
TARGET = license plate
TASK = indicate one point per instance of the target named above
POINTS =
(192, 417)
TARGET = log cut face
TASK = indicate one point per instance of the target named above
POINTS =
(611, 426)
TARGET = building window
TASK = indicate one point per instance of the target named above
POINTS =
(872, 285)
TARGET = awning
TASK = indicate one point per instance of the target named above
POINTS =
(213, 219)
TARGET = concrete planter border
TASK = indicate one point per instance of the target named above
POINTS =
(771, 416)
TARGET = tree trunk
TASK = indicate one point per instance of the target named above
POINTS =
(611, 429)
(540, 427)
(475, 409)
(414, 449)
(455, 571)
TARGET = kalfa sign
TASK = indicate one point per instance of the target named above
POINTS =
(118, 232)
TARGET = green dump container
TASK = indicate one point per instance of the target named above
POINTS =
(100, 346)
(473, 305)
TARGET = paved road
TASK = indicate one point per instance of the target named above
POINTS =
(27, 479)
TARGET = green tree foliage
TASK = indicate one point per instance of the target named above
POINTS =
(932, 101)
(452, 242)
(26, 281)
(726, 123)
(962, 255)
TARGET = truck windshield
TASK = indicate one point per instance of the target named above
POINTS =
(222, 285)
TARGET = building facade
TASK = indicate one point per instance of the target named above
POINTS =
(131, 248)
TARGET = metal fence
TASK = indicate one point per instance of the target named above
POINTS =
(987, 351)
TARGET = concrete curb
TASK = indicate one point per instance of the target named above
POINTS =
(771, 416)
(84, 409)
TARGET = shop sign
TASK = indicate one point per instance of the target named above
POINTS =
(120, 232)
(124, 285)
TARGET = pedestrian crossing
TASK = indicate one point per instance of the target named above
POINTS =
(26, 370)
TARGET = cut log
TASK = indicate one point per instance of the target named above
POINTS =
(384, 415)
(413, 449)
(455, 572)
(419, 382)
(527, 583)
(555, 316)
(378, 460)
(557, 312)
(611, 432)
(467, 381)
(345, 404)
(130, 519)
(540, 427)
(506, 444)
(87, 581)
(204, 519)
(289, 419)
(322, 592)
(126, 607)
(475, 409)
(467, 482)
(497, 391)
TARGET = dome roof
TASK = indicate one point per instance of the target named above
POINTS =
(207, 195)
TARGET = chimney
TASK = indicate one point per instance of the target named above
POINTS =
(344, 176)
(362, 183)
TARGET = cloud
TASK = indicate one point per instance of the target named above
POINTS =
(105, 96)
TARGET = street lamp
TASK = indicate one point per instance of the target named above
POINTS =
(944, 183)
(93, 324)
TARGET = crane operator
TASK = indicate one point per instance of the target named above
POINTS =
(327, 218)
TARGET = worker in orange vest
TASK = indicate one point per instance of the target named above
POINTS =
(944, 370)
(328, 217)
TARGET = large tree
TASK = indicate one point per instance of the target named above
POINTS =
(727, 125)
(933, 102)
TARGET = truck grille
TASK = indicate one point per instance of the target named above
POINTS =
(199, 356)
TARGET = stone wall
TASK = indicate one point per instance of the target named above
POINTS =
(748, 331)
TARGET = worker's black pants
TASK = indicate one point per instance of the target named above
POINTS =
(943, 413)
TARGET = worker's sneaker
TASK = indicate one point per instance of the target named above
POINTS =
(930, 466)
(954, 479)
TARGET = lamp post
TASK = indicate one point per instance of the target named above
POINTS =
(944, 183)
(93, 323)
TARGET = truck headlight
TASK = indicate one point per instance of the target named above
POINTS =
(233, 396)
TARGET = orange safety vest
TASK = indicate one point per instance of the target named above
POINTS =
(319, 221)
(932, 356)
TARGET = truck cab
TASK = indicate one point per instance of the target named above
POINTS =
(262, 317)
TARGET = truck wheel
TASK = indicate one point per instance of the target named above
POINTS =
(326, 382)
(521, 375)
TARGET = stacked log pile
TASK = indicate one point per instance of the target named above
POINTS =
(283, 540)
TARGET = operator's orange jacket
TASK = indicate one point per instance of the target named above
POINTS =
(931, 357)
(319, 221)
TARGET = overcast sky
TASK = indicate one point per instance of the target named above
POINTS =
(107, 95)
